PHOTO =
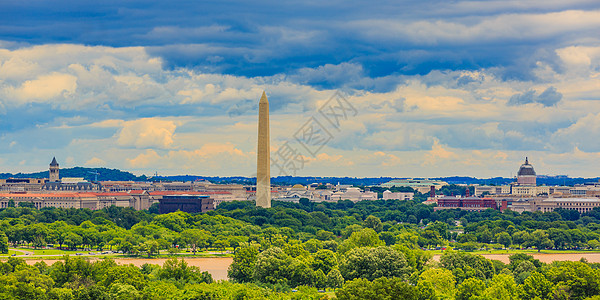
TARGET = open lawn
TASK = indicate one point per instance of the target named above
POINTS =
(11, 252)
(28, 253)
(52, 251)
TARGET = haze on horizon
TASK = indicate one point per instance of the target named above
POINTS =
(440, 88)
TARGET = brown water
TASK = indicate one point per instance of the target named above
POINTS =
(216, 266)
(544, 257)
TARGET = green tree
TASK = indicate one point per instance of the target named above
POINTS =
(26, 204)
(180, 271)
(313, 245)
(502, 287)
(324, 235)
(73, 240)
(441, 280)
(372, 263)
(61, 294)
(324, 260)
(364, 238)
(380, 289)
(196, 238)
(242, 267)
(373, 223)
(348, 230)
(25, 283)
(127, 275)
(578, 278)
(320, 279)
(71, 270)
(415, 257)
(469, 289)
(151, 247)
(221, 244)
(536, 286)
(120, 291)
(440, 227)
(174, 221)
(3, 243)
(464, 265)
(504, 239)
(272, 266)
(521, 238)
(540, 240)
(59, 233)
(335, 279)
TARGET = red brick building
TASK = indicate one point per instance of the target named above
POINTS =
(467, 203)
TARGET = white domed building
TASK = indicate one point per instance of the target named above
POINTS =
(526, 174)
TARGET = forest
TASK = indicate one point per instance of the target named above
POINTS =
(364, 250)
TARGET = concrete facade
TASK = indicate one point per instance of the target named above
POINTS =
(581, 205)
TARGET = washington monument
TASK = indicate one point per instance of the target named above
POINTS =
(263, 164)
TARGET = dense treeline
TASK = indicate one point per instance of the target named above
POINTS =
(137, 231)
(87, 173)
(373, 249)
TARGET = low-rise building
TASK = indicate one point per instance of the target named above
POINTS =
(466, 203)
(581, 205)
(353, 194)
(420, 185)
(387, 195)
(185, 203)
(70, 184)
(22, 184)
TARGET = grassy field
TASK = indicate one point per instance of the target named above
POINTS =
(52, 251)
(43, 253)
(11, 252)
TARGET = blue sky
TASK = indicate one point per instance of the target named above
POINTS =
(441, 88)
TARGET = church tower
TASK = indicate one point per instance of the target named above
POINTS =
(53, 174)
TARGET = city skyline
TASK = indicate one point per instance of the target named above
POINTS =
(439, 89)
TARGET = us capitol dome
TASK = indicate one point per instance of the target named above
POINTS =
(526, 174)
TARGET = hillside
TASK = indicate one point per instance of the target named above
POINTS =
(87, 173)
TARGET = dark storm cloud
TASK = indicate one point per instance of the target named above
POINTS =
(549, 97)
(263, 38)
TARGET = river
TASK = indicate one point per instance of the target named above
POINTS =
(217, 266)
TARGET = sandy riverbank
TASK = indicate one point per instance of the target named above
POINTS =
(216, 266)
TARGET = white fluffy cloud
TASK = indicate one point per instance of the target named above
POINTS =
(147, 133)
(121, 108)
(45, 87)
(219, 158)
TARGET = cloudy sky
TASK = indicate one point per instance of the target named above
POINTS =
(433, 89)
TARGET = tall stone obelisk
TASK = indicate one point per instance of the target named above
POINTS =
(263, 164)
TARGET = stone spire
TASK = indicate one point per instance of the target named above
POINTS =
(53, 175)
(263, 163)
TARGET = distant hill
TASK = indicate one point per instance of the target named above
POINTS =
(118, 175)
(87, 173)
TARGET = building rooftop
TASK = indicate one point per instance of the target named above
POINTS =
(571, 200)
